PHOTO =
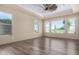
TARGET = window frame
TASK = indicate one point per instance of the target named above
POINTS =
(49, 27)
(5, 24)
(55, 25)
(34, 23)
(67, 24)
(65, 18)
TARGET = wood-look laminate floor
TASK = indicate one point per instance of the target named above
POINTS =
(41, 46)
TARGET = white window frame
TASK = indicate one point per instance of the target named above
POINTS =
(3, 24)
(65, 25)
(36, 23)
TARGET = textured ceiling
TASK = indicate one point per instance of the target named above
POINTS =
(38, 9)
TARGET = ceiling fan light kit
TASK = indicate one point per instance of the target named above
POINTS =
(50, 7)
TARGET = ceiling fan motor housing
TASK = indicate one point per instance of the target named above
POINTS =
(50, 7)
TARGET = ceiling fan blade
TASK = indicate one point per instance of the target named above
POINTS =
(50, 7)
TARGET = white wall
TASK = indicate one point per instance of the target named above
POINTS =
(22, 25)
(65, 35)
(75, 7)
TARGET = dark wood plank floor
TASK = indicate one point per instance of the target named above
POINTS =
(41, 46)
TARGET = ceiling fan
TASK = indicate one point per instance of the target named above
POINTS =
(49, 7)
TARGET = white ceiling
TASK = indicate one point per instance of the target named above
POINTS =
(38, 9)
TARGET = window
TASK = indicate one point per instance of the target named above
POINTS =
(53, 27)
(47, 26)
(5, 23)
(62, 25)
(57, 26)
(36, 26)
(71, 25)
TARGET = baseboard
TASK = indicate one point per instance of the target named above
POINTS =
(60, 38)
(37, 38)
(20, 41)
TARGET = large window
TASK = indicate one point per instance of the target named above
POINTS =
(5, 23)
(47, 26)
(57, 26)
(36, 25)
(71, 25)
(63, 25)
